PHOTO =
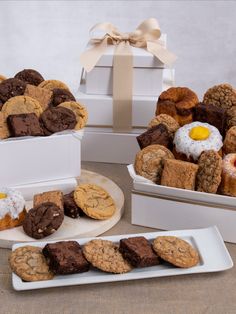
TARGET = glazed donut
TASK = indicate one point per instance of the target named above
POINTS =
(178, 102)
(228, 176)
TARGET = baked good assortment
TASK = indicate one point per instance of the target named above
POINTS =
(69, 257)
(32, 106)
(201, 134)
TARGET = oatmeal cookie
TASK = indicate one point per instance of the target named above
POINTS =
(171, 124)
(209, 172)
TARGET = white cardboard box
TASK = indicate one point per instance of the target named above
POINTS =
(147, 73)
(169, 208)
(39, 159)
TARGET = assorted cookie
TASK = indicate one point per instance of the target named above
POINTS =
(69, 257)
(51, 101)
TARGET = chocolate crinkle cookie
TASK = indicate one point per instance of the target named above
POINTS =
(10, 88)
(61, 95)
(30, 76)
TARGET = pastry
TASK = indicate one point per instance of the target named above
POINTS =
(231, 118)
(79, 111)
(228, 176)
(25, 124)
(213, 115)
(94, 201)
(29, 264)
(138, 252)
(4, 132)
(42, 95)
(223, 96)
(176, 251)
(171, 124)
(12, 208)
(2, 78)
(177, 102)
(158, 134)
(55, 197)
(179, 174)
(52, 84)
(58, 119)
(149, 162)
(230, 141)
(65, 258)
(30, 76)
(43, 220)
(192, 139)
(105, 255)
(209, 172)
(10, 88)
(70, 207)
(61, 95)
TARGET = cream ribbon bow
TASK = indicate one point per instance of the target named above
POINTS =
(145, 36)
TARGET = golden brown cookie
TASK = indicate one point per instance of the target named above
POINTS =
(2, 78)
(55, 197)
(51, 84)
(42, 95)
(149, 162)
(79, 111)
(105, 255)
(230, 141)
(171, 124)
(176, 251)
(4, 132)
(94, 201)
(29, 264)
(209, 172)
(21, 104)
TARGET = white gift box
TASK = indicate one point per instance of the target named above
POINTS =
(147, 73)
(39, 159)
(170, 208)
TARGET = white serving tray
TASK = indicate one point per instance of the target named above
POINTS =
(213, 253)
(71, 228)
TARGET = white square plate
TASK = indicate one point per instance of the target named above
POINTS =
(213, 253)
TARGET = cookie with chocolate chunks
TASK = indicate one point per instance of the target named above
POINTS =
(30, 76)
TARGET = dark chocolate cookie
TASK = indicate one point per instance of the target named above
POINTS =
(61, 95)
(43, 220)
(30, 76)
(10, 88)
(70, 207)
(58, 119)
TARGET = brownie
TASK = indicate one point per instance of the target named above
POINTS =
(30, 76)
(70, 207)
(158, 134)
(213, 115)
(10, 88)
(24, 124)
(138, 252)
(65, 258)
(61, 95)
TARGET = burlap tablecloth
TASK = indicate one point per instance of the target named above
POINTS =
(190, 294)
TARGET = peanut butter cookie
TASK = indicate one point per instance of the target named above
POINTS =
(105, 255)
(176, 251)
(149, 162)
(94, 201)
(29, 264)
(51, 84)
(79, 111)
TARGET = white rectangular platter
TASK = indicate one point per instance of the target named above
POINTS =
(213, 253)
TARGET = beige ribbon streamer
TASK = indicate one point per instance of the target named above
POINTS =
(146, 37)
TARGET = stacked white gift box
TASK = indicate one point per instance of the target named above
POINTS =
(149, 78)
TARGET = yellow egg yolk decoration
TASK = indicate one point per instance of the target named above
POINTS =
(2, 196)
(199, 133)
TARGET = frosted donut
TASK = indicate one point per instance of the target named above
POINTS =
(12, 208)
(228, 180)
(194, 138)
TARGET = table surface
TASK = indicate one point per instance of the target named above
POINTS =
(190, 294)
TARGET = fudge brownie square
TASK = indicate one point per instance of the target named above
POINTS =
(43, 95)
(55, 197)
(71, 209)
(24, 124)
(138, 252)
(211, 114)
(65, 257)
(179, 174)
(158, 134)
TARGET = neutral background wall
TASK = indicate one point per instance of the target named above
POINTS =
(50, 35)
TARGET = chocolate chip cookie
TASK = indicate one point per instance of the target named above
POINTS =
(58, 119)
(10, 88)
(79, 111)
(30, 76)
(43, 220)
(61, 95)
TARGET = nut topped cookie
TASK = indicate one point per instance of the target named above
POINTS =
(176, 251)
(94, 201)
